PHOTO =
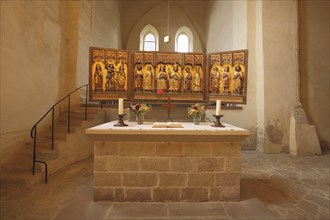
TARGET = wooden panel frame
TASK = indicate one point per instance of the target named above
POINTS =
(112, 80)
(232, 76)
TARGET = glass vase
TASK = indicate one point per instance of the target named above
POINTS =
(139, 118)
(197, 119)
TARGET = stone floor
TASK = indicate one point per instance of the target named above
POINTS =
(273, 186)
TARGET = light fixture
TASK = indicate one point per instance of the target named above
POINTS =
(167, 37)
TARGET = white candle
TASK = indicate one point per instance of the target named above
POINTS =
(120, 106)
(218, 107)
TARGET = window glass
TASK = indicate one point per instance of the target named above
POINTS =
(183, 43)
(149, 42)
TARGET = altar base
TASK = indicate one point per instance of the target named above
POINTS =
(130, 169)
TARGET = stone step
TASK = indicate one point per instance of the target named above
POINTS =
(53, 165)
(91, 108)
(19, 164)
(47, 154)
(81, 111)
(20, 160)
(59, 134)
(20, 178)
(18, 170)
(73, 116)
(46, 142)
(63, 122)
(76, 110)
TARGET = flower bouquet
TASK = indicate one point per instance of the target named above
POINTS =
(140, 109)
(196, 111)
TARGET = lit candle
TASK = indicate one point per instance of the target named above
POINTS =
(120, 106)
(218, 107)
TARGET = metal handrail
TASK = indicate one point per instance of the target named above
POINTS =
(33, 132)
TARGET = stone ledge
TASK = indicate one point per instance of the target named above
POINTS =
(167, 194)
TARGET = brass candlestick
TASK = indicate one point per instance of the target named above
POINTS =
(217, 122)
(121, 121)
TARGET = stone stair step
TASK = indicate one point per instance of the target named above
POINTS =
(73, 117)
(63, 125)
(91, 108)
(47, 154)
(19, 164)
(47, 141)
(78, 114)
(64, 122)
(18, 171)
(75, 112)
(20, 178)
(58, 135)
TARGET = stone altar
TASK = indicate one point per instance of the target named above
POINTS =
(141, 163)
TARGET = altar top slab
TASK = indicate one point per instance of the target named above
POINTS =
(189, 133)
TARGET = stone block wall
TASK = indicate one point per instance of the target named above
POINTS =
(160, 171)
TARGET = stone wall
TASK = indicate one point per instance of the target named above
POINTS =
(271, 38)
(280, 40)
(160, 171)
(273, 81)
(30, 62)
(44, 56)
(314, 65)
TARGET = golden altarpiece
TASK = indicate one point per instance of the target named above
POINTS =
(159, 76)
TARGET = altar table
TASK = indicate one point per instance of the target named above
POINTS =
(141, 163)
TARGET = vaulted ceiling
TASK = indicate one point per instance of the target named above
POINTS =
(131, 11)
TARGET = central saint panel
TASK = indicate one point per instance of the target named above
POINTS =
(158, 76)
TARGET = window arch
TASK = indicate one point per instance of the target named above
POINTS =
(149, 38)
(184, 40)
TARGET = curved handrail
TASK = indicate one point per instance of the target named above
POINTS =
(33, 132)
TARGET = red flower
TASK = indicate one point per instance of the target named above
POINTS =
(195, 107)
(159, 91)
(137, 107)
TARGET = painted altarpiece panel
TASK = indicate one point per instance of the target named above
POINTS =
(157, 76)
(228, 76)
(109, 74)
(178, 76)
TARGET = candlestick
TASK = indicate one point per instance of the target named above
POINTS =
(121, 121)
(217, 123)
(218, 107)
(120, 106)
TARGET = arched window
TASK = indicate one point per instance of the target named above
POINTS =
(183, 43)
(149, 42)
(184, 40)
(149, 38)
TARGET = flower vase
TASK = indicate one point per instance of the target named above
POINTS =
(139, 118)
(197, 118)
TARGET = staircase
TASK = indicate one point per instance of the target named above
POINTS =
(68, 148)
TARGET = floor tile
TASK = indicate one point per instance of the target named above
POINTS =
(136, 210)
(272, 186)
(248, 209)
(197, 209)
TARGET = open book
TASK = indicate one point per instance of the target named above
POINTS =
(167, 125)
